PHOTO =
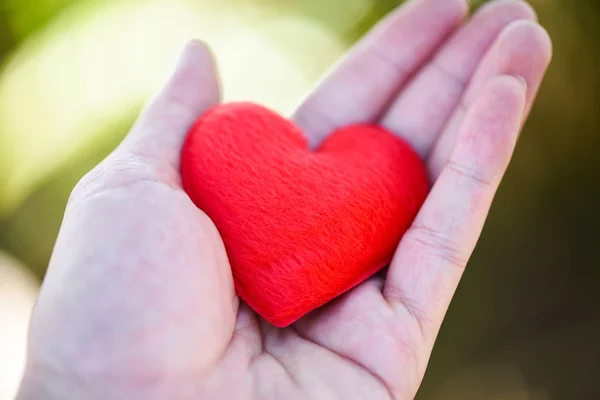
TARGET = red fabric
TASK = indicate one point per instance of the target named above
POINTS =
(300, 227)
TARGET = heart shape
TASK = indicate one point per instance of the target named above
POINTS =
(300, 227)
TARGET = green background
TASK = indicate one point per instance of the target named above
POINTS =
(524, 323)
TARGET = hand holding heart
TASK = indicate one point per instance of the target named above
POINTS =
(392, 161)
(300, 227)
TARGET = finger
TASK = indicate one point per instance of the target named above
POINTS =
(432, 255)
(425, 105)
(374, 71)
(193, 88)
(360, 326)
(523, 49)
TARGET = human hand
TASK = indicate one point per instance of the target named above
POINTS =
(139, 302)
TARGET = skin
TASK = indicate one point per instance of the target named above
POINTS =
(138, 302)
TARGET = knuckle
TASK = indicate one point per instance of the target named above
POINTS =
(399, 297)
(469, 174)
(434, 243)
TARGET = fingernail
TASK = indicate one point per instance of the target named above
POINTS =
(188, 46)
(195, 43)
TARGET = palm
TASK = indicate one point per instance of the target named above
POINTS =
(169, 324)
(315, 359)
(352, 347)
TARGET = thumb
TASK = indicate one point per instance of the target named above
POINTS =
(193, 88)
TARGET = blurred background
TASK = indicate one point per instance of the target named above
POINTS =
(525, 323)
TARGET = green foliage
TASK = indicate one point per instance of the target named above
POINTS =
(24, 17)
(30, 231)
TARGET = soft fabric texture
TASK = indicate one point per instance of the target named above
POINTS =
(300, 227)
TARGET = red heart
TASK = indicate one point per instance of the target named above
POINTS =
(300, 227)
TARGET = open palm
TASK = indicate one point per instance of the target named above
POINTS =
(139, 303)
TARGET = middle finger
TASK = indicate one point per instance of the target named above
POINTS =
(422, 110)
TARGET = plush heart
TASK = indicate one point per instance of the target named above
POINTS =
(300, 227)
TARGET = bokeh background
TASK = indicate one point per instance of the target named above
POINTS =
(525, 323)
